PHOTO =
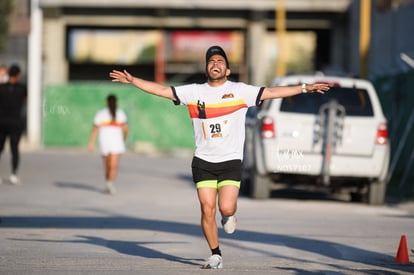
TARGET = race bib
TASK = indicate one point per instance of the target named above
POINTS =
(215, 128)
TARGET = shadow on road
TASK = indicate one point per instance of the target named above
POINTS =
(81, 186)
(130, 248)
(324, 248)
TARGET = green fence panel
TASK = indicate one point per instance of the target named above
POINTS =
(397, 98)
(68, 112)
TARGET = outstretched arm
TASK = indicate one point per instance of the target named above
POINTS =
(286, 91)
(147, 86)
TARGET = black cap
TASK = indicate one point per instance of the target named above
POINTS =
(216, 50)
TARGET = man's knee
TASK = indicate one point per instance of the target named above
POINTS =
(208, 211)
(227, 201)
(227, 210)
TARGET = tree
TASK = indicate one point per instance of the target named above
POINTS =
(6, 7)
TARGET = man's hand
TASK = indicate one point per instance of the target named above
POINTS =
(122, 77)
(317, 87)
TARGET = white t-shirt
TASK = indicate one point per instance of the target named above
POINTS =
(110, 135)
(218, 115)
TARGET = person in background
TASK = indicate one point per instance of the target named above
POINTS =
(4, 74)
(12, 103)
(218, 111)
(110, 125)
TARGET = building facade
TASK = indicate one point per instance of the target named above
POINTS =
(62, 41)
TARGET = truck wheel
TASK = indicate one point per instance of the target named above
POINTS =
(376, 192)
(260, 187)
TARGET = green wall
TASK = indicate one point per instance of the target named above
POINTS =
(68, 112)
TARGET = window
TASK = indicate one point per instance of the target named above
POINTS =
(355, 101)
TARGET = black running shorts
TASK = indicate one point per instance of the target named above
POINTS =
(216, 175)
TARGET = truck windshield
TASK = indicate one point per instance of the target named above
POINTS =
(355, 101)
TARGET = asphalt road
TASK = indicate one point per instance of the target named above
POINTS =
(61, 222)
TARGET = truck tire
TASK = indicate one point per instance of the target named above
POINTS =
(376, 192)
(260, 187)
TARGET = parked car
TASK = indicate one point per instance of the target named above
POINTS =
(337, 141)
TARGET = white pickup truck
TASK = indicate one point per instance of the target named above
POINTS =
(337, 141)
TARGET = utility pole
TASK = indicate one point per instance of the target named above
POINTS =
(34, 108)
(364, 36)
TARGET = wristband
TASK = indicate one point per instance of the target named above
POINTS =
(304, 91)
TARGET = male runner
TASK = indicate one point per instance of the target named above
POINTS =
(217, 109)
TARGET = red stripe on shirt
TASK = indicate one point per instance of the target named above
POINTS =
(216, 111)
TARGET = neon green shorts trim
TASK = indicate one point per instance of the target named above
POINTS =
(217, 185)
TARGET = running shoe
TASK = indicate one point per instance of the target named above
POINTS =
(229, 224)
(214, 262)
(14, 180)
(110, 188)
